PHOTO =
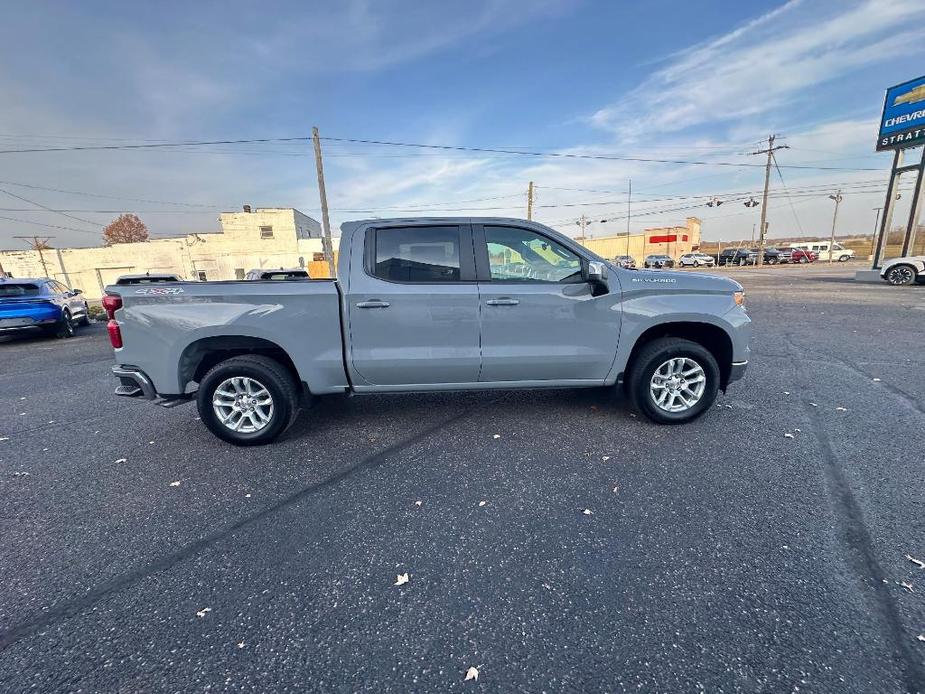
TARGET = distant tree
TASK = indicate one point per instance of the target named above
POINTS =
(126, 228)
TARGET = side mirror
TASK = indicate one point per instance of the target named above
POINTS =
(77, 291)
(597, 277)
(597, 272)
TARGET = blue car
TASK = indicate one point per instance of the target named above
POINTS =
(41, 305)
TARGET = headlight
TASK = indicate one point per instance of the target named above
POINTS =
(739, 298)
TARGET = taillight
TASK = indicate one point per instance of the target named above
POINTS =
(111, 304)
(115, 334)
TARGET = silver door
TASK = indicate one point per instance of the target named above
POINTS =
(540, 321)
(413, 309)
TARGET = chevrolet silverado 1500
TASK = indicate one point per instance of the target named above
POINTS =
(428, 305)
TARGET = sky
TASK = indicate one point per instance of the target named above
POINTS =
(582, 96)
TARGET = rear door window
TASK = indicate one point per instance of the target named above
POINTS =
(418, 254)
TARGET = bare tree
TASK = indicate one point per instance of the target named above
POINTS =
(127, 228)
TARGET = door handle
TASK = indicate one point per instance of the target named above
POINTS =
(505, 301)
(373, 303)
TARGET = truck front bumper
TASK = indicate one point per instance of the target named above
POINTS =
(737, 371)
(133, 383)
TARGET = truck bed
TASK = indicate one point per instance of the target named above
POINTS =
(166, 327)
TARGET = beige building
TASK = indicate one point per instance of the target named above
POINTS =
(259, 238)
(674, 241)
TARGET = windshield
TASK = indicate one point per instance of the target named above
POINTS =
(10, 290)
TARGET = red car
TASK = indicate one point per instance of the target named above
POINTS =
(797, 255)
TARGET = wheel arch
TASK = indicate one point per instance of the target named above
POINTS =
(712, 337)
(201, 355)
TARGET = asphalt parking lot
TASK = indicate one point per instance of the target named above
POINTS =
(719, 556)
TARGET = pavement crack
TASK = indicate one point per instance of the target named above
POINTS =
(72, 608)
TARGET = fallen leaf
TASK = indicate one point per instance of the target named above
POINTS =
(247, 496)
(788, 436)
(20, 474)
(22, 414)
(51, 421)
(496, 436)
(606, 457)
(418, 503)
(473, 672)
(202, 613)
(920, 564)
(150, 441)
(240, 644)
(588, 512)
(812, 404)
(728, 407)
(921, 637)
(876, 380)
(482, 503)
(401, 579)
(798, 431)
(175, 483)
(122, 460)
(4, 438)
(841, 409)
(616, 489)
(907, 586)
(22, 398)
(786, 392)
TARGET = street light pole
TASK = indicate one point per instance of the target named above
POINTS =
(837, 198)
(873, 238)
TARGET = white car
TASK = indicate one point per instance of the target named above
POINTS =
(821, 249)
(906, 270)
(696, 260)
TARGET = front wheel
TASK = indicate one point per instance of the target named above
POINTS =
(844, 259)
(772, 261)
(85, 319)
(248, 400)
(803, 260)
(900, 274)
(696, 263)
(672, 380)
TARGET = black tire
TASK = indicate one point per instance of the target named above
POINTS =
(901, 274)
(844, 259)
(696, 263)
(273, 376)
(654, 355)
(803, 260)
(65, 327)
(772, 261)
(85, 320)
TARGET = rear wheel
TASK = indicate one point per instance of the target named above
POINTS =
(672, 380)
(900, 275)
(248, 400)
(696, 263)
(65, 327)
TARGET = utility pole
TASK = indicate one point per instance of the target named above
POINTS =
(764, 199)
(582, 222)
(873, 240)
(38, 244)
(837, 198)
(325, 222)
(530, 201)
(629, 211)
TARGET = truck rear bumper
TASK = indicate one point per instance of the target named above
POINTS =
(133, 383)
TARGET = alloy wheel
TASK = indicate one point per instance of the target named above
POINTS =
(243, 404)
(678, 384)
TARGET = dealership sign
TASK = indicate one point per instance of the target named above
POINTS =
(903, 120)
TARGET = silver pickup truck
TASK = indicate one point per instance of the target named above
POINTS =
(431, 305)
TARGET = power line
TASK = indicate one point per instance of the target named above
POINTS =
(46, 208)
(49, 226)
(789, 199)
(106, 197)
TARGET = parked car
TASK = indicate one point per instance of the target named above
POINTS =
(906, 270)
(432, 305)
(625, 261)
(656, 261)
(736, 256)
(821, 249)
(41, 305)
(148, 278)
(696, 260)
(280, 274)
(795, 255)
